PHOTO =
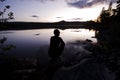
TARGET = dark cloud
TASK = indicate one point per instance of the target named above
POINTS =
(87, 3)
(59, 17)
(35, 16)
(76, 19)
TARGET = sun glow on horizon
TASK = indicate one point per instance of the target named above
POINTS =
(52, 11)
(71, 14)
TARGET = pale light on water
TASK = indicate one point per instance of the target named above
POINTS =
(30, 43)
(77, 34)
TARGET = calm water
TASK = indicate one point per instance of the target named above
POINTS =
(35, 43)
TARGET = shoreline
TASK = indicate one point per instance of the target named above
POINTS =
(33, 25)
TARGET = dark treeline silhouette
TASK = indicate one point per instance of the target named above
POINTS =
(108, 38)
(40, 25)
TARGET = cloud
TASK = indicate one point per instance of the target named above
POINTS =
(44, 0)
(86, 3)
(76, 19)
(39, 0)
(35, 16)
(59, 17)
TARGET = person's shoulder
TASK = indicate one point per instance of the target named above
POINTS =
(60, 38)
(52, 37)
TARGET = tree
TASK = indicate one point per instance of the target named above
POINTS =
(118, 10)
(105, 15)
(2, 13)
(109, 38)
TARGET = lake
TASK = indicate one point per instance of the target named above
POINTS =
(35, 43)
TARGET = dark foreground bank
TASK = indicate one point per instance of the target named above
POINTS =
(88, 67)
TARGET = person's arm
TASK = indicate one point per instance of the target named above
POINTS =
(50, 45)
(62, 42)
(62, 45)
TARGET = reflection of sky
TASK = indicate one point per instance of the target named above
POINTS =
(29, 42)
(35, 43)
(55, 10)
(79, 34)
(43, 35)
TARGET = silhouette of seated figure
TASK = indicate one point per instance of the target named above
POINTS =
(56, 46)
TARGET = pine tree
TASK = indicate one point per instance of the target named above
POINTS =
(118, 10)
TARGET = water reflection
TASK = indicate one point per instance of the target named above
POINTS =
(78, 34)
(5, 32)
(34, 43)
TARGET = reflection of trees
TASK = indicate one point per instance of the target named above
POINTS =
(3, 48)
(2, 0)
(2, 13)
(108, 36)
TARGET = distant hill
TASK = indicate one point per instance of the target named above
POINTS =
(39, 25)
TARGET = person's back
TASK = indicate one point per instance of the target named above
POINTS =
(56, 45)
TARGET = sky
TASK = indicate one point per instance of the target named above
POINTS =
(55, 10)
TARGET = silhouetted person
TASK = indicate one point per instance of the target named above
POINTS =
(56, 46)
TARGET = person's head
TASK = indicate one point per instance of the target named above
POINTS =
(56, 32)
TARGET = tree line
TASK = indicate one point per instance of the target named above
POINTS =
(108, 37)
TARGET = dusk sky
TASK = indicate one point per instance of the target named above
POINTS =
(55, 10)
